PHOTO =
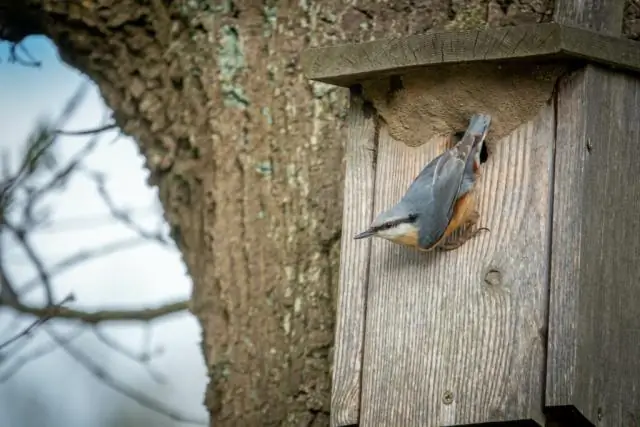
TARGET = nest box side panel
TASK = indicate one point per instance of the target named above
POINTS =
(354, 262)
(454, 338)
(594, 329)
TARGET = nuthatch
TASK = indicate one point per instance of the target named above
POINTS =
(440, 199)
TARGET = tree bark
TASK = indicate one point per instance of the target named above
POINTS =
(247, 156)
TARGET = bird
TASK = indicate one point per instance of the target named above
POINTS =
(440, 200)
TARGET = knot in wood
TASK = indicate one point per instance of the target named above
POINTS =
(493, 277)
(447, 397)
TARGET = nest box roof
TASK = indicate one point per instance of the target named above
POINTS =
(430, 84)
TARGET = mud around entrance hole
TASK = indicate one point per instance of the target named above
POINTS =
(439, 100)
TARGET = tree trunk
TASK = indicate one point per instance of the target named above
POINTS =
(247, 156)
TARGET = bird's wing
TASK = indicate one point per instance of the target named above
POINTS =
(447, 179)
(440, 194)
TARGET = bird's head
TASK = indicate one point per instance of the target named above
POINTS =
(397, 225)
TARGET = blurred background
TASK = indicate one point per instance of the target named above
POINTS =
(82, 230)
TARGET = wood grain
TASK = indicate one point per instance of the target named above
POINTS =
(354, 264)
(347, 64)
(594, 335)
(594, 321)
(458, 337)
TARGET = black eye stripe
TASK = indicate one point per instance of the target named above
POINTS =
(410, 218)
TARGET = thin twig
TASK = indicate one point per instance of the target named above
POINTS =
(18, 362)
(29, 329)
(105, 378)
(43, 138)
(47, 138)
(8, 292)
(24, 332)
(60, 177)
(143, 358)
(81, 257)
(45, 282)
(101, 316)
(81, 222)
(100, 129)
(123, 217)
(68, 109)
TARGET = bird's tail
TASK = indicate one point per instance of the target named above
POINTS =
(475, 134)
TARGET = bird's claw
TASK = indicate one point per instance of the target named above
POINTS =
(468, 233)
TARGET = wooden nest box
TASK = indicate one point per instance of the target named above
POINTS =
(536, 320)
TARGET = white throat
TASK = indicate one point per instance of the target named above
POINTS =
(399, 230)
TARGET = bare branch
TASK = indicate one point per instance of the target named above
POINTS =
(24, 333)
(59, 178)
(101, 316)
(87, 131)
(101, 374)
(39, 143)
(79, 222)
(8, 292)
(124, 217)
(21, 235)
(27, 188)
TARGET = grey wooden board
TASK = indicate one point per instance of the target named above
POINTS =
(347, 64)
(354, 258)
(594, 332)
(472, 321)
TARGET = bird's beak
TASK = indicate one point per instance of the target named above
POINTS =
(364, 234)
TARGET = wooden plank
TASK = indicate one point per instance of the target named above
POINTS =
(458, 337)
(594, 336)
(593, 365)
(604, 50)
(347, 64)
(354, 263)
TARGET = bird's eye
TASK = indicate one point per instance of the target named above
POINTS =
(413, 217)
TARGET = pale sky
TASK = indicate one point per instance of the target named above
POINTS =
(55, 390)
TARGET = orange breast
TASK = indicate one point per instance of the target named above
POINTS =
(462, 210)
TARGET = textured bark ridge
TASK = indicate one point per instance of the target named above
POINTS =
(247, 156)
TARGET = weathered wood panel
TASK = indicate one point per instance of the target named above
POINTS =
(594, 335)
(458, 337)
(593, 363)
(346, 64)
(354, 263)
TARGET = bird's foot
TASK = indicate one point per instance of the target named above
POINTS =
(464, 234)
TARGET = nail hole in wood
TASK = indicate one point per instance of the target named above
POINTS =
(493, 277)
